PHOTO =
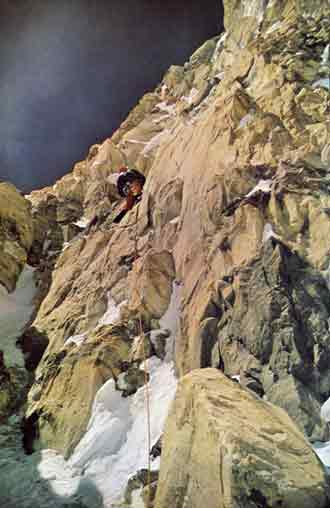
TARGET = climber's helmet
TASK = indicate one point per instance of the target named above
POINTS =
(131, 180)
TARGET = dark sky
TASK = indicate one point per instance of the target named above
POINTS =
(70, 70)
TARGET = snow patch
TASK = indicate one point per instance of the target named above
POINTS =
(326, 275)
(323, 449)
(170, 320)
(325, 58)
(46, 245)
(220, 75)
(107, 429)
(268, 233)
(262, 185)
(115, 444)
(274, 27)
(325, 411)
(15, 311)
(55, 469)
(189, 98)
(323, 452)
(76, 339)
(112, 313)
(168, 108)
(218, 47)
(157, 121)
(82, 222)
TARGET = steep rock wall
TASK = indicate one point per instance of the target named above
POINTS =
(236, 208)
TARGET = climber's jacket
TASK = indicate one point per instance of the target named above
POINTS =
(130, 185)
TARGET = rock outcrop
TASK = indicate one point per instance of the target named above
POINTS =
(16, 234)
(226, 442)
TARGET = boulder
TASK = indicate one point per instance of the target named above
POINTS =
(223, 442)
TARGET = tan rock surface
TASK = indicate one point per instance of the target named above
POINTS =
(245, 108)
(224, 442)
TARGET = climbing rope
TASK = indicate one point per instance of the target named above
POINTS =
(145, 369)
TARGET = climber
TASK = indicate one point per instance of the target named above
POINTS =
(130, 185)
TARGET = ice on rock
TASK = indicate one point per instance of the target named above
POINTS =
(112, 313)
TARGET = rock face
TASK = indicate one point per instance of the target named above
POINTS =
(224, 441)
(16, 234)
(236, 209)
(16, 237)
(63, 393)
